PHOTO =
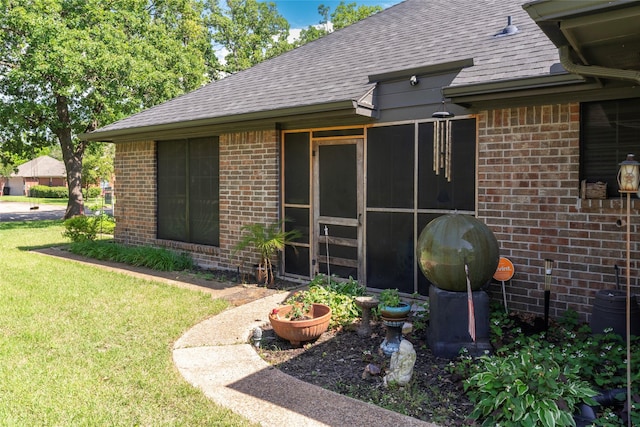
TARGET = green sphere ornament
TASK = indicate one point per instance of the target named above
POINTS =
(450, 241)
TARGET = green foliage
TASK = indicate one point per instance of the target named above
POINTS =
(389, 298)
(250, 30)
(338, 295)
(267, 240)
(69, 67)
(91, 192)
(558, 368)
(344, 15)
(81, 228)
(97, 164)
(142, 256)
(350, 13)
(525, 389)
(46, 192)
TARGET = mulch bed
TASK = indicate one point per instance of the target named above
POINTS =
(338, 359)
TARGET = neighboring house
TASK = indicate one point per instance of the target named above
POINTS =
(340, 133)
(42, 170)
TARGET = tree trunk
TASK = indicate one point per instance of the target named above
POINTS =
(72, 156)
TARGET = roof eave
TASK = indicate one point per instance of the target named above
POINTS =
(501, 89)
(259, 118)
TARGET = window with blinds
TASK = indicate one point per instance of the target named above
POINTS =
(609, 131)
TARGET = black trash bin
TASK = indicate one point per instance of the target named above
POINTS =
(6, 191)
(108, 196)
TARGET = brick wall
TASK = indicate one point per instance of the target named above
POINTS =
(135, 191)
(528, 194)
(249, 190)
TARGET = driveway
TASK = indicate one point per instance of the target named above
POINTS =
(19, 211)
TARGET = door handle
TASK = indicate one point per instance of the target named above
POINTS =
(359, 219)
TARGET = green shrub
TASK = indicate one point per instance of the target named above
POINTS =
(338, 295)
(81, 228)
(141, 256)
(526, 389)
(91, 192)
(46, 192)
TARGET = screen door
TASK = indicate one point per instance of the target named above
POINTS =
(338, 207)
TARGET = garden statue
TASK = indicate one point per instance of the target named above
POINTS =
(459, 255)
(401, 366)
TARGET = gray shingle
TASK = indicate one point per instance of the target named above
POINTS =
(411, 34)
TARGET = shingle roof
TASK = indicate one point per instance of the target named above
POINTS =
(43, 166)
(411, 34)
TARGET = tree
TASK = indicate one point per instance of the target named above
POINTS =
(70, 66)
(343, 16)
(98, 164)
(347, 14)
(249, 30)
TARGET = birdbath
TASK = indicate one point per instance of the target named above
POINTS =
(392, 340)
(366, 304)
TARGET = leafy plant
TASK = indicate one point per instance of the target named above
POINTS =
(143, 256)
(80, 228)
(267, 240)
(526, 388)
(389, 298)
(338, 295)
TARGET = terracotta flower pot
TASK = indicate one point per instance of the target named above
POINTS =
(297, 331)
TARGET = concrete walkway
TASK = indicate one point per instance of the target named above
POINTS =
(216, 357)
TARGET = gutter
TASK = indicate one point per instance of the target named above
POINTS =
(595, 70)
(349, 107)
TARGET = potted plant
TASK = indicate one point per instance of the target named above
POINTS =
(267, 240)
(391, 306)
(300, 322)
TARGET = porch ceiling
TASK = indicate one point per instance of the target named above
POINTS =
(600, 33)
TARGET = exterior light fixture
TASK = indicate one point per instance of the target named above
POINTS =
(628, 180)
(629, 175)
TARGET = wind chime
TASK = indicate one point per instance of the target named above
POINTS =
(442, 142)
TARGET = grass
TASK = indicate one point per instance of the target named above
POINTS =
(81, 346)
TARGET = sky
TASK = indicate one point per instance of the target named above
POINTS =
(302, 13)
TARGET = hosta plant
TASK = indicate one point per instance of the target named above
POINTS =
(526, 388)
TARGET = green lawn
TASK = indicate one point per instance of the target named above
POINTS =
(82, 346)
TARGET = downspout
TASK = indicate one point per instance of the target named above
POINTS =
(595, 70)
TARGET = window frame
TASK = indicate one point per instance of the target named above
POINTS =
(179, 209)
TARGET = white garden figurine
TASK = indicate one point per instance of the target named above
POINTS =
(401, 366)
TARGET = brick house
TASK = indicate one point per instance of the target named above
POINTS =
(341, 133)
(43, 170)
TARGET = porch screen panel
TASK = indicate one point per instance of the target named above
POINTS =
(296, 170)
(172, 190)
(338, 181)
(297, 260)
(390, 251)
(203, 191)
(435, 191)
(390, 166)
(298, 218)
